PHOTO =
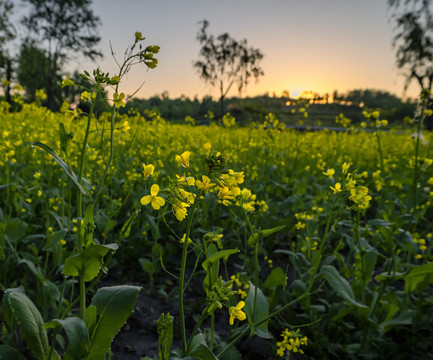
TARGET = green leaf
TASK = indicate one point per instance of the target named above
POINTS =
(62, 164)
(261, 234)
(114, 305)
(393, 277)
(32, 267)
(147, 266)
(379, 222)
(419, 276)
(30, 322)
(369, 261)
(340, 285)
(15, 229)
(211, 267)
(202, 352)
(404, 318)
(217, 256)
(9, 353)
(78, 336)
(90, 317)
(126, 228)
(262, 312)
(277, 277)
(6, 309)
(5, 186)
(89, 226)
(89, 259)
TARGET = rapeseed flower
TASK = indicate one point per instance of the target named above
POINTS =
(236, 312)
(337, 188)
(329, 173)
(205, 184)
(180, 209)
(118, 100)
(155, 200)
(124, 127)
(86, 96)
(184, 159)
(148, 170)
(67, 82)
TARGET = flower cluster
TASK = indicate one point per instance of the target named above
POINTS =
(292, 341)
(241, 285)
(358, 193)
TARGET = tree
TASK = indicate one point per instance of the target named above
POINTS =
(32, 66)
(62, 28)
(7, 33)
(414, 42)
(224, 62)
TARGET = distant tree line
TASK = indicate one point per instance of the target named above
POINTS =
(249, 109)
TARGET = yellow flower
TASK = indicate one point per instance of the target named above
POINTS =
(179, 209)
(207, 147)
(329, 173)
(183, 239)
(185, 180)
(118, 100)
(184, 159)
(235, 312)
(205, 184)
(337, 188)
(346, 167)
(156, 201)
(124, 127)
(86, 96)
(148, 170)
(67, 82)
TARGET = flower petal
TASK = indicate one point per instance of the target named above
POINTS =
(154, 190)
(145, 200)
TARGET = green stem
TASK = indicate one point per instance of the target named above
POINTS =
(182, 276)
(256, 280)
(361, 255)
(382, 168)
(212, 329)
(82, 294)
(197, 326)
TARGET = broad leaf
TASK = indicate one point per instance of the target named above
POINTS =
(340, 285)
(261, 234)
(89, 259)
(114, 305)
(211, 267)
(202, 352)
(277, 277)
(217, 256)
(261, 313)
(404, 318)
(77, 334)
(30, 323)
(9, 353)
(419, 276)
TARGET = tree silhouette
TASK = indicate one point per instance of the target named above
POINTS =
(224, 62)
(7, 32)
(61, 28)
(414, 42)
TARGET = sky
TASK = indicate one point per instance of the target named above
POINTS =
(318, 45)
